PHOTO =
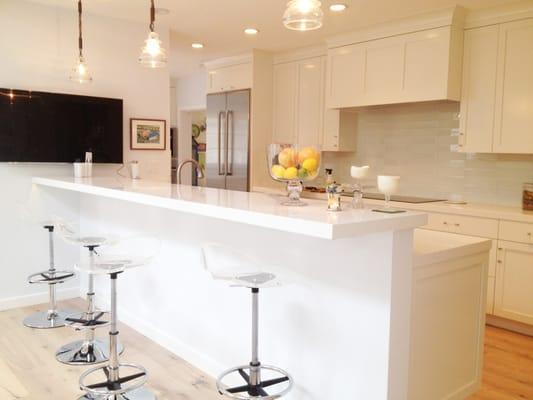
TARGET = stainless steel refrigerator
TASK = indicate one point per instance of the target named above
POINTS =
(228, 138)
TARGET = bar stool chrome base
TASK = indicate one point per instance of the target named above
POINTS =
(82, 352)
(47, 320)
(88, 351)
(255, 391)
(137, 394)
(129, 387)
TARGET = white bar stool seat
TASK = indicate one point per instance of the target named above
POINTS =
(89, 350)
(240, 270)
(115, 380)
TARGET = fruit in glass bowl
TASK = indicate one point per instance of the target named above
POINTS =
(293, 164)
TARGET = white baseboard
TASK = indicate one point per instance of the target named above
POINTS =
(170, 343)
(37, 298)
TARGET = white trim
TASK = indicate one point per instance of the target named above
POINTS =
(229, 61)
(453, 16)
(300, 54)
(9, 303)
(500, 14)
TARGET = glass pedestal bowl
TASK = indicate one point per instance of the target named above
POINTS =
(293, 164)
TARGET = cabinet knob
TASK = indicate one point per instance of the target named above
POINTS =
(500, 248)
(500, 261)
(457, 225)
(445, 223)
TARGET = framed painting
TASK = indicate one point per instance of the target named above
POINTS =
(148, 134)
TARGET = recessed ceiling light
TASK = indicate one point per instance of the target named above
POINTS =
(197, 46)
(162, 11)
(251, 31)
(338, 7)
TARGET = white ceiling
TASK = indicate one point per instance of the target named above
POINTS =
(219, 24)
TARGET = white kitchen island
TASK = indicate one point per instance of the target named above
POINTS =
(341, 324)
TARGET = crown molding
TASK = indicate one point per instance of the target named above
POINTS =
(229, 61)
(500, 14)
(446, 17)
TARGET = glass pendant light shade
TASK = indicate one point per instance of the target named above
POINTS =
(80, 73)
(303, 15)
(153, 55)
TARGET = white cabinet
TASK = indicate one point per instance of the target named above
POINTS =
(514, 89)
(497, 98)
(228, 78)
(471, 226)
(514, 282)
(310, 101)
(419, 66)
(299, 112)
(285, 103)
(479, 87)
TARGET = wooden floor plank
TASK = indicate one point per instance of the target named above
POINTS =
(29, 371)
(28, 355)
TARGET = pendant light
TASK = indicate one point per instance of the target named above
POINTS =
(152, 54)
(303, 15)
(80, 73)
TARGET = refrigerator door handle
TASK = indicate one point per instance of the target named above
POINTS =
(229, 143)
(220, 169)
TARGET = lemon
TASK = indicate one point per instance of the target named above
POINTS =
(290, 173)
(278, 171)
(310, 164)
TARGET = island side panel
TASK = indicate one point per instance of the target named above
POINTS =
(329, 325)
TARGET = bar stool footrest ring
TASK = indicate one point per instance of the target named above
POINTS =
(263, 390)
(136, 378)
(51, 278)
(82, 321)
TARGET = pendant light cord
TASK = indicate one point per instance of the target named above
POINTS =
(80, 38)
(152, 16)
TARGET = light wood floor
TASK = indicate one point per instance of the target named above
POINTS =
(508, 370)
(28, 369)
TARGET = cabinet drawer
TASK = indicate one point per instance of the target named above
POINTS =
(516, 232)
(472, 226)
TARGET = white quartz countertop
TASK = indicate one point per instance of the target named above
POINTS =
(493, 211)
(432, 247)
(258, 209)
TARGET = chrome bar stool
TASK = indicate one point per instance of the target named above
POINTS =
(240, 271)
(53, 318)
(115, 380)
(90, 350)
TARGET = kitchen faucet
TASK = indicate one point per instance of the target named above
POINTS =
(199, 169)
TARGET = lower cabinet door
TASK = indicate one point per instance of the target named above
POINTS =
(514, 282)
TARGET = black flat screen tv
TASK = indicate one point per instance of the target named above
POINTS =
(53, 127)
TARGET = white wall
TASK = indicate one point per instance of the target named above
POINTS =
(192, 91)
(38, 50)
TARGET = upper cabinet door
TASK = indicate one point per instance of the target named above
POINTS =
(345, 76)
(419, 66)
(310, 101)
(514, 90)
(285, 103)
(229, 78)
(479, 89)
